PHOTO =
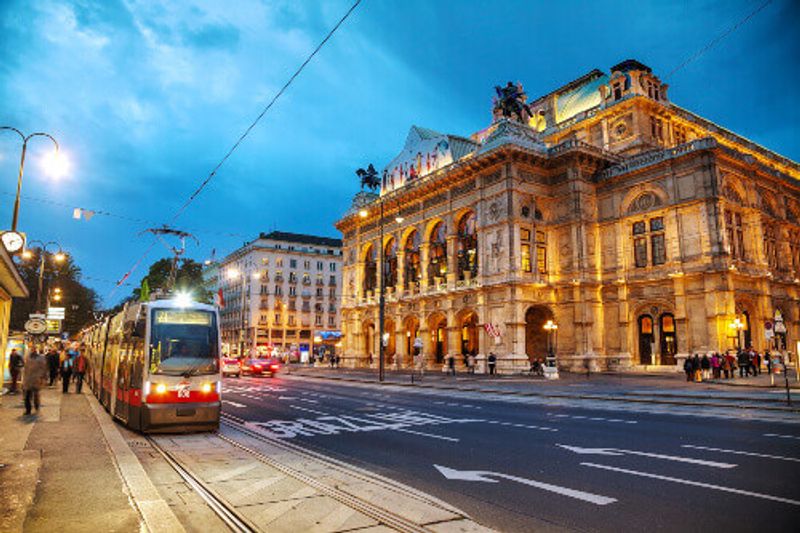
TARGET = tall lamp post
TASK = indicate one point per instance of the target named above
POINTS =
(59, 256)
(551, 369)
(25, 139)
(382, 292)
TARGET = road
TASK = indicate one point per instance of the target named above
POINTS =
(520, 465)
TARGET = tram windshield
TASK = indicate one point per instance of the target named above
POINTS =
(183, 342)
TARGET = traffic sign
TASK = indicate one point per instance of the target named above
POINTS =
(56, 313)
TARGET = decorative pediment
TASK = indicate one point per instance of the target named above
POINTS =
(644, 202)
(731, 194)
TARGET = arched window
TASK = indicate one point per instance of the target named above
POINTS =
(370, 269)
(412, 268)
(390, 263)
(467, 246)
(437, 263)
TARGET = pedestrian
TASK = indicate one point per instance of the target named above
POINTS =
(420, 362)
(471, 363)
(705, 366)
(492, 360)
(66, 372)
(451, 364)
(715, 365)
(768, 359)
(33, 379)
(756, 363)
(370, 359)
(732, 363)
(696, 368)
(688, 368)
(80, 370)
(52, 364)
(743, 360)
(15, 366)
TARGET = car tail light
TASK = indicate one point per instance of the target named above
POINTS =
(274, 367)
(257, 366)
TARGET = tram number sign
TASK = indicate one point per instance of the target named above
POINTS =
(183, 390)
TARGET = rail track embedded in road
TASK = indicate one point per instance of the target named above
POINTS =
(234, 520)
(381, 514)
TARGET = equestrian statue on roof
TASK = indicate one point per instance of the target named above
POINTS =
(511, 102)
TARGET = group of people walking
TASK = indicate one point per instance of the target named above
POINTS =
(42, 367)
(724, 366)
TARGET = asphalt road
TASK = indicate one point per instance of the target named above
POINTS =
(506, 463)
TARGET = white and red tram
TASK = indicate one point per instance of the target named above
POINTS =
(155, 365)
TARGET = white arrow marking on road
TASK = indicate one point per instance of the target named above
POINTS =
(739, 452)
(615, 451)
(480, 475)
(234, 404)
(695, 483)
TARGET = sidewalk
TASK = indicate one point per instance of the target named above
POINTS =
(661, 388)
(57, 473)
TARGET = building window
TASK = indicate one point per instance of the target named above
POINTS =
(332, 292)
(279, 262)
(332, 267)
(412, 270)
(680, 134)
(390, 263)
(278, 290)
(655, 234)
(332, 281)
(292, 263)
(307, 265)
(292, 277)
(319, 292)
(291, 320)
(292, 290)
(332, 308)
(332, 321)
(541, 252)
(318, 320)
(617, 90)
(306, 279)
(370, 269)
(265, 261)
(657, 129)
(735, 233)
(320, 266)
(467, 246)
(525, 244)
(437, 264)
(277, 318)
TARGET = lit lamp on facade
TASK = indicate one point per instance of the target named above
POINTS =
(737, 326)
(551, 368)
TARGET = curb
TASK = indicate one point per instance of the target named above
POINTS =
(567, 396)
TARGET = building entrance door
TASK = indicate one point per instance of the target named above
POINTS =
(535, 334)
(669, 341)
(439, 333)
(646, 340)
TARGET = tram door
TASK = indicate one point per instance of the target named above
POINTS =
(122, 380)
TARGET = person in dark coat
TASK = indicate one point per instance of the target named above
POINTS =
(705, 366)
(52, 364)
(15, 365)
(451, 365)
(687, 367)
(696, 368)
(492, 360)
(66, 372)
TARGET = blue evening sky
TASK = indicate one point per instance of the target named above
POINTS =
(147, 96)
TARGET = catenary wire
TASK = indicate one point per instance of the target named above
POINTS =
(717, 39)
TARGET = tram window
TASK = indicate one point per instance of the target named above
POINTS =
(183, 342)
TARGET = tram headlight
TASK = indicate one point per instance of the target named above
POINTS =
(206, 388)
(161, 388)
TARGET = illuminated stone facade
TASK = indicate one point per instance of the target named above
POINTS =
(641, 229)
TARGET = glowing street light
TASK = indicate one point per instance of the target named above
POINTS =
(363, 213)
(54, 163)
(58, 257)
(551, 369)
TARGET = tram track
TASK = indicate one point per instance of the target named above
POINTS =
(384, 516)
(234, 520)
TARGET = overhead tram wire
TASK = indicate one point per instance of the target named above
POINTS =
(242, 137)
(717, 39)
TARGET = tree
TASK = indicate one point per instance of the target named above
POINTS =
(189, 278)
(80, 302)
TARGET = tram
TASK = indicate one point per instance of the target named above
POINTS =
(155, 367)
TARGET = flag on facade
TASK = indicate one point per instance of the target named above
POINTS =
(144, 292)
(219, 301)
(491, 329)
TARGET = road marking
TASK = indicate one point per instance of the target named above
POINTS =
(594, 418)
(695, 483)
(524, 426)
(234, 404)
(781, 436)
(440, 437)
(307, 400)
(617, 451)
(480, 475)
(739, 452)
(286, 398)
(307, 410)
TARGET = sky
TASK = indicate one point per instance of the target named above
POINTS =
(146, 97)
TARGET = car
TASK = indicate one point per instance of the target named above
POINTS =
(261, 366)
(231, 367)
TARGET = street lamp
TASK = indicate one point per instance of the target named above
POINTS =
(382, 335)
(52, 164)
(737, 325)
(58, 257)
(552, 329)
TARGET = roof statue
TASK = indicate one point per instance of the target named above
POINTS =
(369, 177)
(511, 102)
